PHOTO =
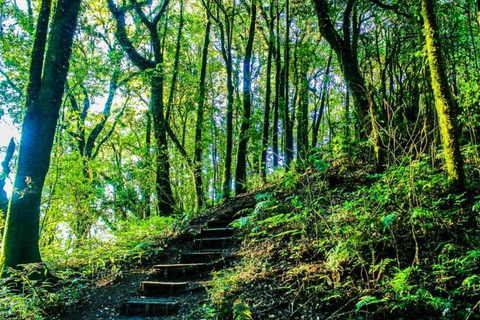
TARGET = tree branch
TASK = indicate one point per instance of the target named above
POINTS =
(11, 83)
(394, 8)
(122, 37)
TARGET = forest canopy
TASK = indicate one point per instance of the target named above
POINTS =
(135, 110)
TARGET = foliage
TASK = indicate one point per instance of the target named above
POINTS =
(75, 271)
(328, 235)
(397, 245)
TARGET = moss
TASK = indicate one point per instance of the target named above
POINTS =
(444, 102)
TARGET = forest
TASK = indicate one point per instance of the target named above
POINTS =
(322, 156)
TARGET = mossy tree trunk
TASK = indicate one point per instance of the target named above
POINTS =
(444, 100)
(48, 74)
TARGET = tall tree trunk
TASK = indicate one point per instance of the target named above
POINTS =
(288, 125)
(43, 104)
(38, 53)
(176, 63)
(278, 91)
(345, 49)
(165, 200)
(241, 169)
(478, 12)
(229, 149)
(444, 101)
(147, 210)
(347, 118)
(164, 190)
(302, 123)
(318, 115)
(226, 39)
(4, 175)
(268, 93)
(200, 113)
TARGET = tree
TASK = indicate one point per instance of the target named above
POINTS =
(270, 20)
(240, 172)
(225, 26)
(47, 77)
(200, 115)
(287, 118)
(4, 176)
(156, 73)
(346, 48)
(444, 101)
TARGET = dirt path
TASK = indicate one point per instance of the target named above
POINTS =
(171, 287)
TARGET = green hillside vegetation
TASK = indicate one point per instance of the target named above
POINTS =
(239, 159)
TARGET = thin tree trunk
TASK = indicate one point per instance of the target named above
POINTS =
(302, 124)
(268, 93)
(278, 90)
(347, 117)
(176, 63)
(147, 210)
(241, 169)
(324, 93)
(164, 190)
(3, 177)
(288, 126)
(200, 113)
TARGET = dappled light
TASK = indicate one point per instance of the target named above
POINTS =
(239, 159)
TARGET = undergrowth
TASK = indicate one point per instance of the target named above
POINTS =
(343, 244)
(72, 270)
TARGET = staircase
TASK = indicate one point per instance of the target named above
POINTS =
(172, 286)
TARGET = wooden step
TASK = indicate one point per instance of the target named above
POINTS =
(216, 232)
(212, 243)
(152, 306)
(180, 270)
(227, 216)
(214, 224)
(156, 287)
(219, 250)
(201, 257)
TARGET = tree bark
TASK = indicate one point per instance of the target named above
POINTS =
(165, 200)
(44, 99)
(288, 125)
(278, 92)
(176, 63)
(200, 115)
(319, 113)
(226, 39)
(268, 92)
(444, 101)
(302, 123)
(241, 169)
(4, 176)
(345, 49)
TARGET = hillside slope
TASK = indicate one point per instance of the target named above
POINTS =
(345, 244)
